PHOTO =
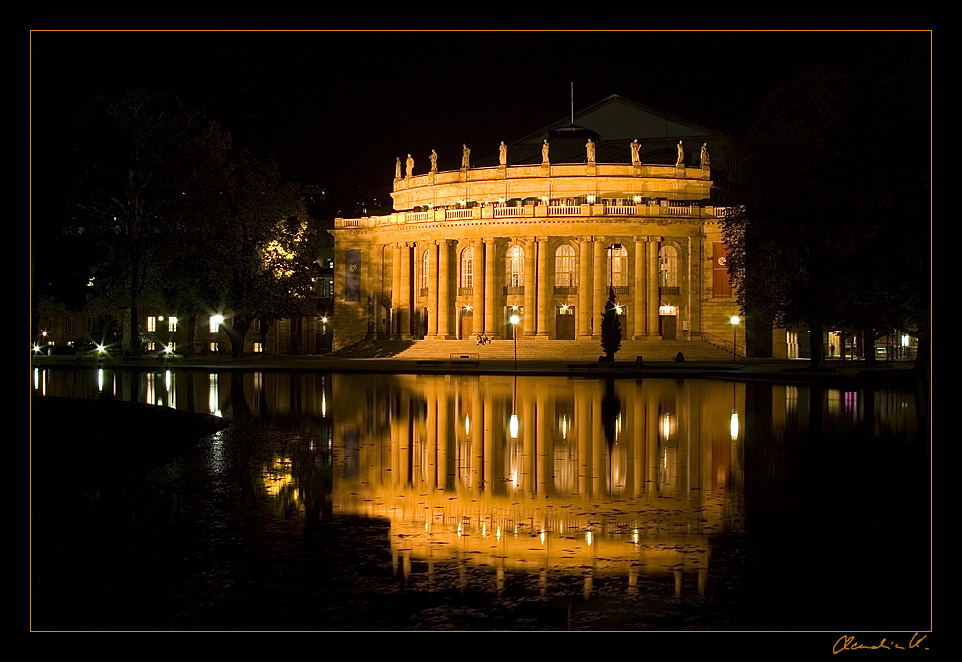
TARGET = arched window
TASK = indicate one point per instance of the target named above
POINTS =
(467, 268)
(668, 266)
(515, 266)
(564, 266)
(618, 266)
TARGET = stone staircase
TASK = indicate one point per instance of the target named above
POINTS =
(535, 349)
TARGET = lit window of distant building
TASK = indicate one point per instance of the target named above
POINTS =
(151, 324)
(172, 324)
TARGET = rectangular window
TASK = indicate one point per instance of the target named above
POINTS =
(172, 324)
(90, 324)
(213, 347)
(70, 325)
(151, 324)
(150, 346)
(256, 326)
(258, 348)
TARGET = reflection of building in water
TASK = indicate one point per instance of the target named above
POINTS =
(529, 474)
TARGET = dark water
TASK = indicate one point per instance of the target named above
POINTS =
(359, 502)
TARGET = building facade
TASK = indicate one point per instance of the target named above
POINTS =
(465, 250)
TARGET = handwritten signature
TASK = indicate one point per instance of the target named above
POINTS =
(847, 643)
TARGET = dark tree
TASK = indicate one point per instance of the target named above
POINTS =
(136, 157)
(830, 235)
(264, 261)
(611, 328)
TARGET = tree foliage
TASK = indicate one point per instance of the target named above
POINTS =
(172, 214)
(833, 232)
(136, 156)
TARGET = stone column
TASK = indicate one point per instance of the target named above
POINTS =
(477, 283)
(544, 298)
(653, 298)
(584, 288)
(444, 290)
(600, 289)
(641, 298)
(530, 271)
(432, 330)
(404, 300)
(490, 287)
(395, 289)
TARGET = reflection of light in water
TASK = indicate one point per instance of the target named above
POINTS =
(278, 476)
(667, 426)
(588, 538)
(734, 425)
(150, 396)
(467, 425)
(513, 426)
(213, 397)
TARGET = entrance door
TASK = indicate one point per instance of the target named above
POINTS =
(564, 323)
(467, 323)
(668, 327)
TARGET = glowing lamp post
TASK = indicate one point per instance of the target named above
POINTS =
(514, 319)
(734, 320)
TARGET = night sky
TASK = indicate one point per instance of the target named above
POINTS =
(336, 108)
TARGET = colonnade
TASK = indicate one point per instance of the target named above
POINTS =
(446, 294)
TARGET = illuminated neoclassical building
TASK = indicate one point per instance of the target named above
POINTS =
(544, 229)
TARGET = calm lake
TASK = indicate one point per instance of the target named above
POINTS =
(404, 502)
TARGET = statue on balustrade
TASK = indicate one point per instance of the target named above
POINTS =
(591, 150)
(544, 152)
(681, 155)
(503, 154)
(705, 159)
(465, 156)
(410, 166)
(434, 161)
(635, 152)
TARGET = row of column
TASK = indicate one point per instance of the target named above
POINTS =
(538, 287)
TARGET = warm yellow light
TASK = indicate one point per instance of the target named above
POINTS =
(514, 319)
(735, 319)
(734, 425)
(513, 426)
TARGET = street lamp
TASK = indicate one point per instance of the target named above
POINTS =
(734, 320)
(514, 319)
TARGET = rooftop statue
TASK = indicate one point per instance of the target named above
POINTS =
(410, 166)
(635, 152)
(544, 152)
(397, 169)
(591, 150)
(705, 159)
(465, 156)
(434, 161)
(503, 154)
(681, 155)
